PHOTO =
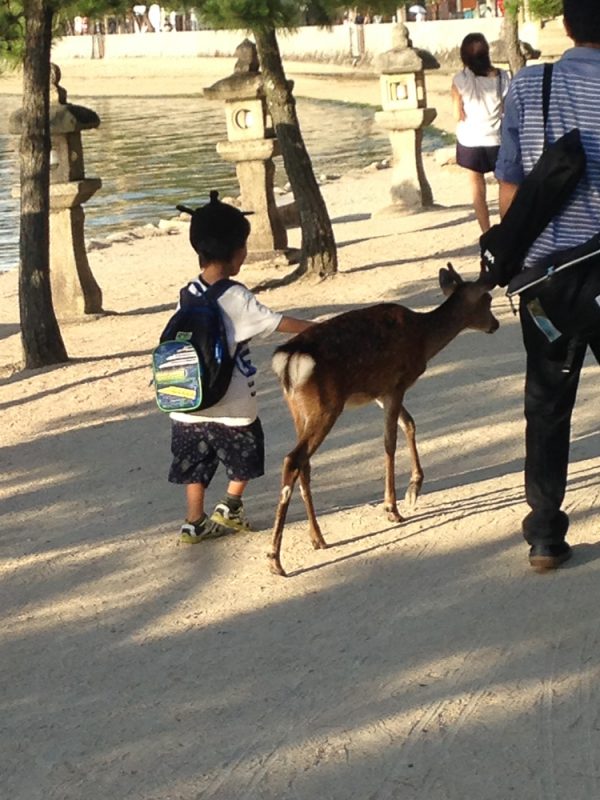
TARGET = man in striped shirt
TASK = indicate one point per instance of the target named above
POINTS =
(550, 387)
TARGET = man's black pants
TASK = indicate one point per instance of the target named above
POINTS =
(551, 382)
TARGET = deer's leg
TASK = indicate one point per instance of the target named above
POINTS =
(407, 424)
(312, 429)
(316, 537)
(288, 479)
(391, 410)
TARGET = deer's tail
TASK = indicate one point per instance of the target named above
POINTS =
(292, 369)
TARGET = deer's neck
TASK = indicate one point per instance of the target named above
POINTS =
(443, 324)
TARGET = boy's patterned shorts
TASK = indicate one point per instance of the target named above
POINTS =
(198, 447)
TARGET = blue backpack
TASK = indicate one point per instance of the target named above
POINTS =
(192, 366)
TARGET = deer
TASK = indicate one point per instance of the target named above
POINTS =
(375, 353)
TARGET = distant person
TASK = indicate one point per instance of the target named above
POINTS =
(229, 432)
(478, 93)
(155, 17)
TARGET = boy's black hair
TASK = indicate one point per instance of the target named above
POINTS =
(582, 19)
(217, 229)
(475, 53)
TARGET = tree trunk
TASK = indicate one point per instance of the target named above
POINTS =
(40, 334)
(318, 244)
(510, 37)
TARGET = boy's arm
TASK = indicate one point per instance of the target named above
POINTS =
(293, 325)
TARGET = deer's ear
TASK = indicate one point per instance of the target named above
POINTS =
(449, 279)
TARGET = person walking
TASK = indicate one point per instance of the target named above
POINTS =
(478, 92)
(553, 368)
(228, 433)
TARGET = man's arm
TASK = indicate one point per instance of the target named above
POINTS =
(509, 167)
(506, 194)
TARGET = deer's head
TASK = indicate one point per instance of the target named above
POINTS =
(477, 300)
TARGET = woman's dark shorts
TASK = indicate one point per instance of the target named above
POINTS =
(477, 159)
(198, 448)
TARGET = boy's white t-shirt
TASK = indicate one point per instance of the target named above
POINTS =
(244, 318)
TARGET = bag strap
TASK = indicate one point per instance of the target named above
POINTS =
(546, 89)
(211, 292)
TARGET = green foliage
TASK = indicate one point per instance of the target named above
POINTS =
(94, 9)
(542, 9)
(546, 9)
(12, 33)
(259, 14)
(267, 14)
(12, 22)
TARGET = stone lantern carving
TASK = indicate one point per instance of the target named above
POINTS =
(404, 115)
(74, 288)
(251, 146)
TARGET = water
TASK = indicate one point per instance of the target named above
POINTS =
(153, 153)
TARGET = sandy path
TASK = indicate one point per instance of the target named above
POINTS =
(417, 661)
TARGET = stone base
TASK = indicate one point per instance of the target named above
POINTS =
(273, 258)
(75, 291)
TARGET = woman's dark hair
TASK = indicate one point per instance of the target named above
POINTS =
(475, 54)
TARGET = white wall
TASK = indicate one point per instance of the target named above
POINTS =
(308, 43)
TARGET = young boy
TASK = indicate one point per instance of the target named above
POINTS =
(229, 432)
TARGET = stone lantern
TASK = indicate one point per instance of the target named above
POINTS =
(404, 115)
(74, 288)
(251, 146)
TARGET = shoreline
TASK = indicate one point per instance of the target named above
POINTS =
(151, 77)
(154, 78)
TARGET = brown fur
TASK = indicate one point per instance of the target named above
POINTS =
(374, 353)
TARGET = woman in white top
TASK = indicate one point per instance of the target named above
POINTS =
(478, 93)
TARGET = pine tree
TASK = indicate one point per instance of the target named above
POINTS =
(27, 29)
(263, 18)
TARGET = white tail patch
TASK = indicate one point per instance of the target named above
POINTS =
(278, 363)
(300, 367)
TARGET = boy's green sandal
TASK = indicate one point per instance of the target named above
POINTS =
(233, 519)
(204, 528)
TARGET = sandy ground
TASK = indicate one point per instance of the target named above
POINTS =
(422, 660)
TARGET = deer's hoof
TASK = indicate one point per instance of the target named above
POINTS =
(412, 494)
(394, 515)
(320, 544)
(275, 566)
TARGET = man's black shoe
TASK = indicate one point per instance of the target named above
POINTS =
(544, 557)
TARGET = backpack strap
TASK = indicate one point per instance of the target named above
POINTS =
(216, 289)
(546, 89)
(213, 291)
(210, 292)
